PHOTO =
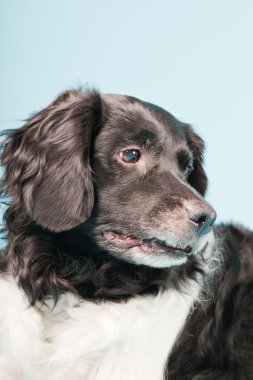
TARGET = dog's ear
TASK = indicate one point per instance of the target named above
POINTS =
(47, 161)
(197, 178)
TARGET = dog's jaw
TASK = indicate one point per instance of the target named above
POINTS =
(151, 252)
(152, 245)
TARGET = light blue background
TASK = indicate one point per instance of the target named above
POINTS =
(192, 57)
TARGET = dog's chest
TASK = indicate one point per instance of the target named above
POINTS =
(83, 340)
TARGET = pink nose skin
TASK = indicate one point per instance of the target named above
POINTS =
(201, 215)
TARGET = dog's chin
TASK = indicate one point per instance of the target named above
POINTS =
(153, 252)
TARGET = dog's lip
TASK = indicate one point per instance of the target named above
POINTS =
(152, 245)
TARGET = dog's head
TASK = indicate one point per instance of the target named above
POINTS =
(127, 169)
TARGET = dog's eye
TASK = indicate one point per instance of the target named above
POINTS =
(185, 162)
(188, 170)
(130, 156)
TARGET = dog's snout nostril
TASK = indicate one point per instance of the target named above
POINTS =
(200, 220)
(202, 216)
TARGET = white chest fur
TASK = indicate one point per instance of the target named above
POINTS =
(81, 340)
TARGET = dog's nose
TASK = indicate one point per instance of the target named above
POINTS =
(202, 216)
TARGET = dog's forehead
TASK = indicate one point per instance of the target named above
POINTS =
(134, 116)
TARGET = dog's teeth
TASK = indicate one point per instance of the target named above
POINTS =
(152, 245)
(111, 235)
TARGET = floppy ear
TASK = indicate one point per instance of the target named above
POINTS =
(197, 178)
(47, 161)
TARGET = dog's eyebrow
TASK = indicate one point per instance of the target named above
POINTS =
(143, 137)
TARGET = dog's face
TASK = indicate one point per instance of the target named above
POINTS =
(146, 211)
(141, 165)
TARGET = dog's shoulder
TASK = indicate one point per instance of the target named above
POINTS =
(221, 326)
(236, 246)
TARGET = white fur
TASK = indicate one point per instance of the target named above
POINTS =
(83, 340)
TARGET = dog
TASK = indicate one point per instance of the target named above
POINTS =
(113, 267)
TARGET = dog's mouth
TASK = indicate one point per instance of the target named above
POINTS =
(153, 245)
